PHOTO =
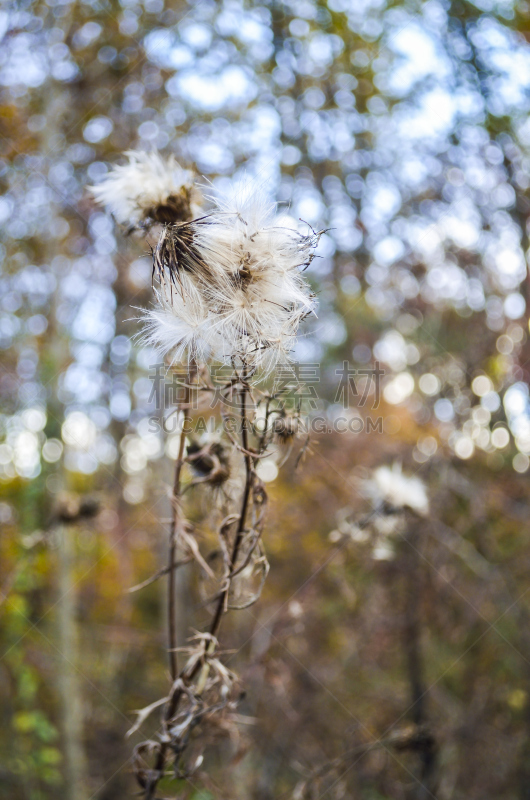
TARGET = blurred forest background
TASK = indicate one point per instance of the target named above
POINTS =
(403, 128)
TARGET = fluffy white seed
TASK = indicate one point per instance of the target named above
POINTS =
(135, 192)
(247, 267)
(179, 324)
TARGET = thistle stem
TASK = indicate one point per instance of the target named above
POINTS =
(152, 782)
(173, 543)
(218, 615)
(150, 788)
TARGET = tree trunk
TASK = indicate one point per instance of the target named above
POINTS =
(424, 741)
(71, 701)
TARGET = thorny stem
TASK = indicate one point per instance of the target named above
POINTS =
(173, 542)
(216, 621)
(173, 703)
(152, 783)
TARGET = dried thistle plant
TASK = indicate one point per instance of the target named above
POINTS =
(231, 285)
(230, 290)
(394, 531)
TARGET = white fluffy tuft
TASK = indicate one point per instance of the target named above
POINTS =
(179, 324)
(131, 191)
(247, 269)
(390, 485)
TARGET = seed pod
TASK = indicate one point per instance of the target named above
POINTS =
(285, 428)
(209, 463)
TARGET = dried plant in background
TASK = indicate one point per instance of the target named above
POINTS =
(393, 529)
(229, 290)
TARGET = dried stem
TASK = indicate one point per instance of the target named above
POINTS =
(173, 542)
(175, 696)
(216, 620)
(157, 575)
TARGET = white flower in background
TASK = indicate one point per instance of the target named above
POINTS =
(149, 189)
(390, 486)
(246, 264)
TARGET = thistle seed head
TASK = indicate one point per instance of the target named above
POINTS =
(148, 190)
